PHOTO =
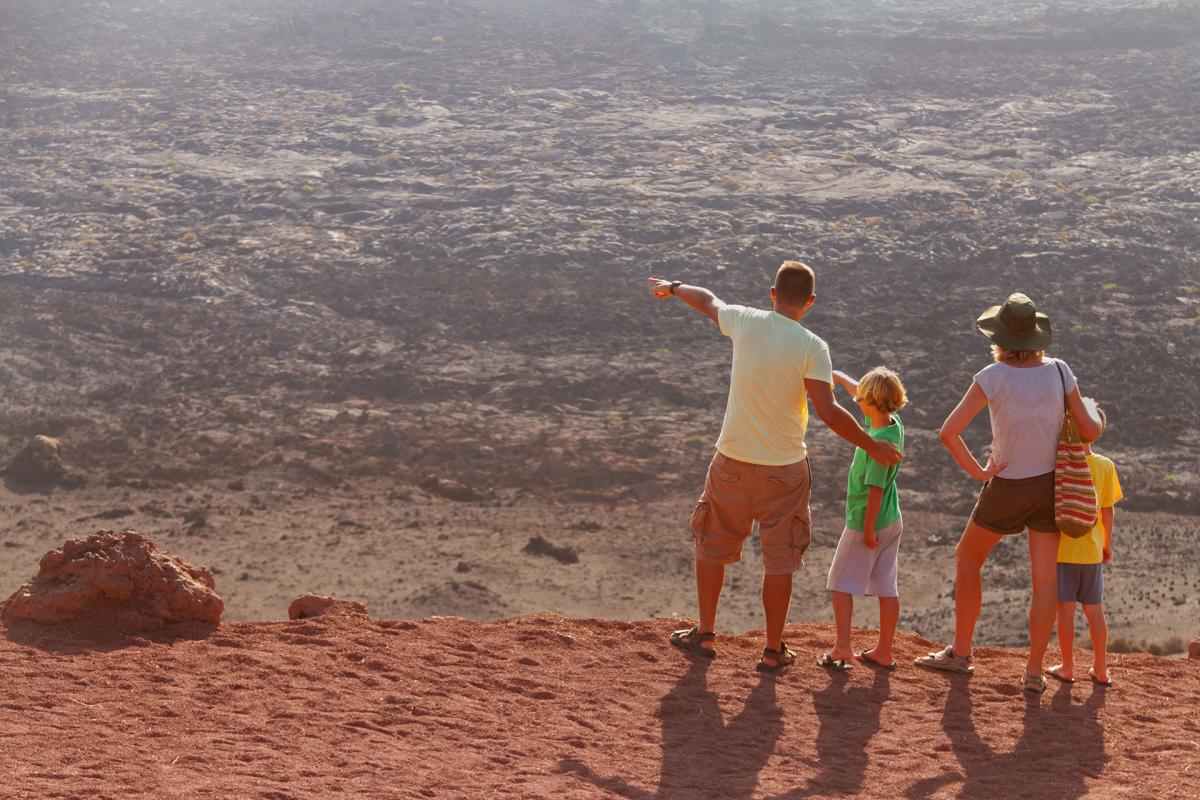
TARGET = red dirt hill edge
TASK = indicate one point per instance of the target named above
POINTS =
(545, 706)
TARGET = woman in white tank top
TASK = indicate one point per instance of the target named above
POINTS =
(1025, 393)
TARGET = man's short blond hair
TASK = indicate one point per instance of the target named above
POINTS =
(881, 387)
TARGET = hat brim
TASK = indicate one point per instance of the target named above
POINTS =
(1037, 339)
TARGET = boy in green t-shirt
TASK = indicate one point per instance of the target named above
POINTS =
(867, 554)
(1081, 576)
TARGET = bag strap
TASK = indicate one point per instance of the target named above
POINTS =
(1068, 429)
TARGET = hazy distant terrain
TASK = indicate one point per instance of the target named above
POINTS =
(273, 266)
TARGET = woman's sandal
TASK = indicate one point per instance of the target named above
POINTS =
(1034, 683)
(693, 641)
(946, 660)
(1097, 681)
(783, 657)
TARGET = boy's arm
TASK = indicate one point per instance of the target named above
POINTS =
(1106, 519)
(841, 422)
(846, 382)
(874, 501)
(697, 297)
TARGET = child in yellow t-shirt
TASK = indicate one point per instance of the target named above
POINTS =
(1080, 578)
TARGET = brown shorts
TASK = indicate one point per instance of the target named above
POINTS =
(735, 495)
(1010, 506)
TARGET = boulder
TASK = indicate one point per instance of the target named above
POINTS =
(1194, 650)
(39, 463)
(452, 490)
(118, 580)
(315, 605)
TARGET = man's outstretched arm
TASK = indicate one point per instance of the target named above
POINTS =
(843, 423)
(697, 297)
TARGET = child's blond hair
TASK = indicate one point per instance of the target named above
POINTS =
(881, 387)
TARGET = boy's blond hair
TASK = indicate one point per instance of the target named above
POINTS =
(881, 387)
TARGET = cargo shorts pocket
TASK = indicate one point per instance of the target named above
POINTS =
(699, 521)
(801, 535)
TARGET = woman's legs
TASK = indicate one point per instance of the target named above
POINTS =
(1043, 606)
(972, 551)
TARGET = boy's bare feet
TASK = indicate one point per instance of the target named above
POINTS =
(877, 657)
(1062, 673)
(842, 654)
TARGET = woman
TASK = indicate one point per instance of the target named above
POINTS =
(1024, 393)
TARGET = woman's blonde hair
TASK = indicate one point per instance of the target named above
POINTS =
(1003, 354)
(881, 387)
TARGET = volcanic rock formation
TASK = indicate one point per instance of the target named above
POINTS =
(117, 580)
(315, 605)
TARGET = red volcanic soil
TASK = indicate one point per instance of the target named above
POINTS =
(545, 706)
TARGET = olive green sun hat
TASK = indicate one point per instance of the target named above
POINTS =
(1016, 324)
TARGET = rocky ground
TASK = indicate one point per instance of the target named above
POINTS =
(544, 706)
(285, 277)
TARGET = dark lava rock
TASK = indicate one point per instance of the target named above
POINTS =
(39, 463)
(538, 546)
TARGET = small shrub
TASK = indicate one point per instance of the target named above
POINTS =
(1121, 644)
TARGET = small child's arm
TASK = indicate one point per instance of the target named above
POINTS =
(846, 382)
(874, 501)
(1106, 519)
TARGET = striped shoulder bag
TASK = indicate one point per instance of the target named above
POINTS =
(1075, 506)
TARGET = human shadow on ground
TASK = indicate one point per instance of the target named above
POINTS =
(1059, 748)
(848, 716)
(702, 754)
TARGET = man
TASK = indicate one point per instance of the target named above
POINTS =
(760, 470)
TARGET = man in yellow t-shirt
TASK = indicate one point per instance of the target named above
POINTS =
(760, 472)
(1080, 576)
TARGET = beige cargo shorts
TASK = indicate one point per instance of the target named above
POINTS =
(736, 494)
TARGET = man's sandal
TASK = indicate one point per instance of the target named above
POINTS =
(945, 660)
(1097, 681)
(827, 661)
(783, 657)
(695, 641)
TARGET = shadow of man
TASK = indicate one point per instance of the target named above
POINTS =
(1058, 750)
(702, 755)
(849, 716)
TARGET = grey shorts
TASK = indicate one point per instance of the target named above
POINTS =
(857, 569)
(1081, 583)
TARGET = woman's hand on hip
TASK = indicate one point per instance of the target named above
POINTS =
(991, 470)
